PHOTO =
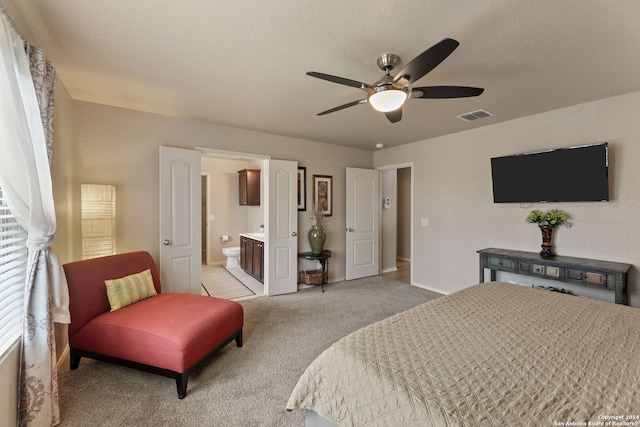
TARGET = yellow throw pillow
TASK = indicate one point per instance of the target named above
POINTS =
(127, 290)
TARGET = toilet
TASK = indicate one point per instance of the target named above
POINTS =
(233, 256)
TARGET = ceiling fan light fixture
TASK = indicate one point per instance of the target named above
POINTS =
(386, 99)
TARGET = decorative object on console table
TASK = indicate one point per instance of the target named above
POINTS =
(547, 221)
(317, 235)
(547, 245)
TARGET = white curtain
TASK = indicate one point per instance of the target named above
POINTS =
(25, 178)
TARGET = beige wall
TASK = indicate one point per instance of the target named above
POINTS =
(229, 217)
(120, 147)
(453, 174)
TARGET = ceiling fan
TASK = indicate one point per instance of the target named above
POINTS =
(388, 94)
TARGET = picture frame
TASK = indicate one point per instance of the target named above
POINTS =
(323, 194)
(302, 188)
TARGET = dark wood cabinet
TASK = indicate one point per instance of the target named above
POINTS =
(249, 188)
(246, 249)
(257, 260)
(252, 257)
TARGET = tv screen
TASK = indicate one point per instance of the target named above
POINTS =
(575, 174)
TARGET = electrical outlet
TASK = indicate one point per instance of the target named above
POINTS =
(424, 222)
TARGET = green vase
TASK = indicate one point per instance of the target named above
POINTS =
(317, 237)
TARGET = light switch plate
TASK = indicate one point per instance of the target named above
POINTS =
(424, 222)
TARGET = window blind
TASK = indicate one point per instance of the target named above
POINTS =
(13, 268)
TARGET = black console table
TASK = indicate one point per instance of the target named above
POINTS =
(323, 259)
(588, 272)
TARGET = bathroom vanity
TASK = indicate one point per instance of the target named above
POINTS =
(252, 254)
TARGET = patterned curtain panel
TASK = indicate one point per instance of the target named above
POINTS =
(44, 81)
(25, 178)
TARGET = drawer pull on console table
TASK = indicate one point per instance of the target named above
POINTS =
(588, 272)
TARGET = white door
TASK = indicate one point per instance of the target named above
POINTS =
(363, 240)
(180, 227)
(281, 209)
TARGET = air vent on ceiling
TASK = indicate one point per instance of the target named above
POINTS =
(474, 115)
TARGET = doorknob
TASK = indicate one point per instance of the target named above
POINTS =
(166, 242)
(294, 233)
(350, 230)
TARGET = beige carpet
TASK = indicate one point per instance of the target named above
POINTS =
(218, 282)
(246, 386)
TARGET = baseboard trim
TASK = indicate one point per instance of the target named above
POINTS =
(389, 270)
(62, 357)
(430, 288)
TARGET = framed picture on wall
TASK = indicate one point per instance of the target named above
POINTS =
(302, 188)
(322, 194)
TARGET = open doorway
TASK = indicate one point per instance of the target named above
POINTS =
(224, 218)
(229, 219)
(396, 222)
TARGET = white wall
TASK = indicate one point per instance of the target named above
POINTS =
(453, 174)
(229, 217)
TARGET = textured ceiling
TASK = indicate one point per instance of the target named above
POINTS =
(242, 63)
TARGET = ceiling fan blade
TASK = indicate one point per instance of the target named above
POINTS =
(394, 116)
(439, 92)
(426, 61)
(342, 107)
(339, 80)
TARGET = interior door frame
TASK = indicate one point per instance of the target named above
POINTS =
(213, 152)
(206, 222)
(409, 165)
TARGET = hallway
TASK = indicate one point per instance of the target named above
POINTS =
(402, 274)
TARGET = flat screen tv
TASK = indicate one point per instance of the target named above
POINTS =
(574, 174)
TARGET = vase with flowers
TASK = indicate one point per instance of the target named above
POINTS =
(547, 221)
(317, 234)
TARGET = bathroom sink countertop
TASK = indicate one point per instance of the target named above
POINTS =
(254, 236)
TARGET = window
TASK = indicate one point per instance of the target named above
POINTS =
(13, 269)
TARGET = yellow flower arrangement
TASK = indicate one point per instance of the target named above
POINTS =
(551, 218)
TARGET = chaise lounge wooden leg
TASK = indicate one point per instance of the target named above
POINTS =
(239, 338)
(181, 383)
(74, 359)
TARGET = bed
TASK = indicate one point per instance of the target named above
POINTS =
(491, 354)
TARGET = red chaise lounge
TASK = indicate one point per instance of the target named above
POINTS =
(169, 334)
